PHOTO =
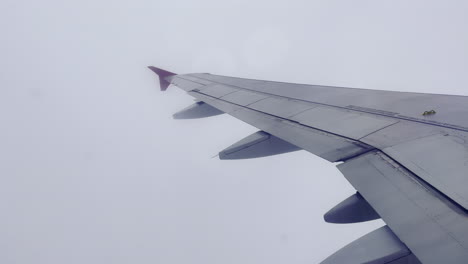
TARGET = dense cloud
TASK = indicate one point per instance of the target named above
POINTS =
(94, 170)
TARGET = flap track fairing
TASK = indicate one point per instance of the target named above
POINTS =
(259, 144)
(197, 110)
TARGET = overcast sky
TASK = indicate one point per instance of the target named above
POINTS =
(93, 169)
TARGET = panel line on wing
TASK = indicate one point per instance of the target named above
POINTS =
(358, 109)
(321, 143)
(279, 117)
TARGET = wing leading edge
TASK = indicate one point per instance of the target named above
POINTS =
(409, 168)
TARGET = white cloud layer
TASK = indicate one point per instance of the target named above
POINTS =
(94, 170)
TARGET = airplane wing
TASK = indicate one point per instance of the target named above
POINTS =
(406, 154)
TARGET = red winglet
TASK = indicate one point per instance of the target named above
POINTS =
(163, 74)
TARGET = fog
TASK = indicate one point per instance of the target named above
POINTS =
(93, 169)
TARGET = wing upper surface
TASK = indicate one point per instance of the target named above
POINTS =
(411, 168)
(451, 110)
(443, 163)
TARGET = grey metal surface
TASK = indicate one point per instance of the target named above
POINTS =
(281, 107)
(197, 110)
(421, 201)
(400, 133)
(217, 90)
(244, 97)
(441, 160)
(184, 84)
(259, 144)
(378, 247)
(433, 228)
(354, 209)
(189, 77)
(451, 110)
(342, 122)
(328, 146)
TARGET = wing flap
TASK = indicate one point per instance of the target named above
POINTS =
(440, 160)
(432, 226)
